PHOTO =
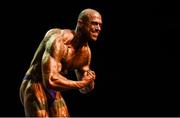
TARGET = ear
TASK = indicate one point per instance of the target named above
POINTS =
(80, 22)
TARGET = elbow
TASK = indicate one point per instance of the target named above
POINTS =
(47, 82)
(51, 83)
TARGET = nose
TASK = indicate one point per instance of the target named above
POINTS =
(98, 27)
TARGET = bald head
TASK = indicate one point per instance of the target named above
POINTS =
(89, 24)
(86, 14)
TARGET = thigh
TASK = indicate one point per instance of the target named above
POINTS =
(58, 107)
(35, 101)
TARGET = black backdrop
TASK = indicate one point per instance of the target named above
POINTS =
(136, 58)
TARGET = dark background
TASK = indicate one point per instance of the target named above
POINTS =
(136, 58)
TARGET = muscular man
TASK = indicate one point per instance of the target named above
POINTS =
(60, 51)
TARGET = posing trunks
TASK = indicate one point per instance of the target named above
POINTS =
(40, 92)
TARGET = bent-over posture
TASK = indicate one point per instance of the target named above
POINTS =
(60, 51)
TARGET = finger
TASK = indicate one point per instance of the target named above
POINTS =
(92, 76)
(91, 72)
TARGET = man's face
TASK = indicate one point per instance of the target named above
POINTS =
(93, 26)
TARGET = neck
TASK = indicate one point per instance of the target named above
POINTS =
(79, 40)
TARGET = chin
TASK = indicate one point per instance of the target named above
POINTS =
(94, 38)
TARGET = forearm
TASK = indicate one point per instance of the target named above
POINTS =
(59, 82)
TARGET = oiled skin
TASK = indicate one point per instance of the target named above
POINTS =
(60, 51)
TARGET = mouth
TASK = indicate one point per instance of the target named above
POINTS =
(94, 33)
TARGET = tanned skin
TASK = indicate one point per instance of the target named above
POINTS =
(60, 51)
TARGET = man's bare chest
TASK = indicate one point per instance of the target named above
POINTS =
(76, 59)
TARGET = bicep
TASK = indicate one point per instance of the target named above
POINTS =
(84, 69)
(50, 66)
(51, 57)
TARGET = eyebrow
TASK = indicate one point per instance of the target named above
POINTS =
(94, 21)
